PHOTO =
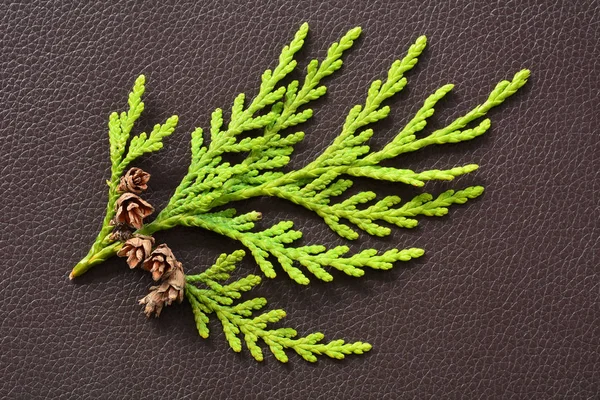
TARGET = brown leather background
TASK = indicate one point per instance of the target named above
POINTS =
(505, 304)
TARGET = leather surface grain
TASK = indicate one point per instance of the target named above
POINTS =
(506, 301)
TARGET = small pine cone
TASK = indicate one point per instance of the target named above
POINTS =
(136, 249)
(132, 210)
(161, 262)
(164, 294)
(121, 233)
(135, 181)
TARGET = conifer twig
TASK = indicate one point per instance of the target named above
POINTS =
(261, 132)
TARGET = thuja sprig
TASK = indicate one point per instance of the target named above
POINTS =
(275, 241)
(238, 320)
(212, 182)
(121, 156)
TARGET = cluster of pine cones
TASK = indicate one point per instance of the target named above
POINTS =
(131, 210)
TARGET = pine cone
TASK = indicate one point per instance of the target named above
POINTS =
(120, 232)
(164, 294)
(161, 262)
(136, 249)
(134, 181)
(132, 210)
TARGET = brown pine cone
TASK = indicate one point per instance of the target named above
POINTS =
(136, 249)
(164, 294)
(120, 232)
(132, 210)
(161, 262)
(134, 181)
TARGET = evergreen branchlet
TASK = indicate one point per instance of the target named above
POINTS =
(238, 320)
(275, 112)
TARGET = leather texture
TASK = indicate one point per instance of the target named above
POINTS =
(506, 301)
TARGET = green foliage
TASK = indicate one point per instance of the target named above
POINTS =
(238, 320)
(123, 151)
(212, 182)
(274, 242)
(142, 143)
(209, 180)
(119, 132)
(261, 133)
(274, 113)
(119, 126)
